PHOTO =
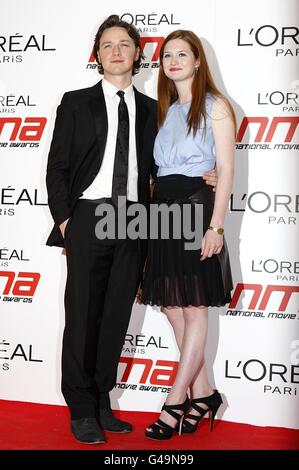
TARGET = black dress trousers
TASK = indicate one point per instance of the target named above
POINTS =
(102, 282)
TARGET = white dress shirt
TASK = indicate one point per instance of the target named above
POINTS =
(102, 184)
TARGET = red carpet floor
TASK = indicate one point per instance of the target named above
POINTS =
(28, 426)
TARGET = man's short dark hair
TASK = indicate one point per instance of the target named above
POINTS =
(111, 21)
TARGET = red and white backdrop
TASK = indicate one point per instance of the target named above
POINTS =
(253, 343)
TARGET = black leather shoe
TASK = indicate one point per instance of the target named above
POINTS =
(87, 430)
(110, 423)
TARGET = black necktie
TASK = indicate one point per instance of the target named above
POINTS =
(120, 171)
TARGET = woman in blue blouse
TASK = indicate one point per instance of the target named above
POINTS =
(196, 129)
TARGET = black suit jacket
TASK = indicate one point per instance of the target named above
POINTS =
(78, 146)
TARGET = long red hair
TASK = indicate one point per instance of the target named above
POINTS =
(202, 83)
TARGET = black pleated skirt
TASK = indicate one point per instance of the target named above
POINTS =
(173, 275)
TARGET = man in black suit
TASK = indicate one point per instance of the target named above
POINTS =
(102, 147)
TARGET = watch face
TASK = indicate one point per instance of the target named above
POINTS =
(220, 231)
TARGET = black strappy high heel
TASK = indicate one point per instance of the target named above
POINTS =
(212, 401)
(160, 430)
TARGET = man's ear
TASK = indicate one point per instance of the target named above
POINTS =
(137, 54)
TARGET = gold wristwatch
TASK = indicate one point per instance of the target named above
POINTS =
(216, 229)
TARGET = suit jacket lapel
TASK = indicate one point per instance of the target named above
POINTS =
(99, 111)
(141, 116)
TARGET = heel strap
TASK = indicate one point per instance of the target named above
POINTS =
(210, 401)
(181, 407)
(199, 409)
(196, 417)
(163, 425)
